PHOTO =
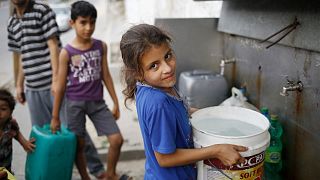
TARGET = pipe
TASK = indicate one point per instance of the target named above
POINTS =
(224, 62)
(291, 87)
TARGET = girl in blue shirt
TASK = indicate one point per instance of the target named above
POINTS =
(149, 72)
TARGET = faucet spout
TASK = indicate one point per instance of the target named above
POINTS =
(291, 87)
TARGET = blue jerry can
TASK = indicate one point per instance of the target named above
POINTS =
(53, 156)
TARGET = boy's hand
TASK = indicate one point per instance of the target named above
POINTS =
(229, 154)
(20, 95)
(55, 125)
(116, 112)
(29, 146)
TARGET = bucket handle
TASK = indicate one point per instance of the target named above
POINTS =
(226, 175)
(236, 93)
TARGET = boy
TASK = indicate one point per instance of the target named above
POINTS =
(9, 129)
(83, 62)
(38, 52)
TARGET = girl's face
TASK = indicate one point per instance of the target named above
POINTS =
(159, 67)
(84, 27)
(5, 112)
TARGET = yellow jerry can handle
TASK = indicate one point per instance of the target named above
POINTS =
(10, 176)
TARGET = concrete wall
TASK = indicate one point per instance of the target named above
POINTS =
(196, 42)
(145, 11)
(265, 71)
(241, 27)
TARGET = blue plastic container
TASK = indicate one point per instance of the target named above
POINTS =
(54, 155)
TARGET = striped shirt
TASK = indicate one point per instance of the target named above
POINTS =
(28, 36)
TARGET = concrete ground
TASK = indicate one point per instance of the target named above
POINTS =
(132, 168)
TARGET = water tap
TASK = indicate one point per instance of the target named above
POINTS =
(225, 61)
(291, 86)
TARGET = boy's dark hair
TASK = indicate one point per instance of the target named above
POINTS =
(83, 9)
(134, 43)
(5, 95)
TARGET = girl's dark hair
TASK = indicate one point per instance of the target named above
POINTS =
(84, 9)
(6, 96)
(134, 43)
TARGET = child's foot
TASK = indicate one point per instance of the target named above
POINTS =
(102, 176)
(125, 177)
(118, 177)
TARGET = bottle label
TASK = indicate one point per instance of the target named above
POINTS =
(273, 157)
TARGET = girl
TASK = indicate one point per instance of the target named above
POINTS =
(149, 72)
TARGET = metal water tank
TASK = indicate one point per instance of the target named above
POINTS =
(203, 88)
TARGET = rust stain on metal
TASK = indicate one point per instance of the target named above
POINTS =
(298, 136)
(298, 103)
(298, 131)
(258, 83)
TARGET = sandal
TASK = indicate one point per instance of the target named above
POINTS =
(125, 177)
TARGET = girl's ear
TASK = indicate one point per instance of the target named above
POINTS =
(139, 77)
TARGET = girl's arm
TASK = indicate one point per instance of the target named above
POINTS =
(28, 146)
(60, 89)
(192, 110)
(228, 154)
(107, 79)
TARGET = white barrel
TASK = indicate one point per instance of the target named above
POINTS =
(205, 134)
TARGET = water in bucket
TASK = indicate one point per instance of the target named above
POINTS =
(227, 127)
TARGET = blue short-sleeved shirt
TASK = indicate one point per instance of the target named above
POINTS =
(165, 127)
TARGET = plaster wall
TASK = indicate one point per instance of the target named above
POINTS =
(265, 71)
(199, 45)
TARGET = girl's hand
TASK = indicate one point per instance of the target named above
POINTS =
(29, 146)
(116, 112)
(229, 154)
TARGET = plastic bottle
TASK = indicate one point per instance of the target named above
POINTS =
(265, 112)
(273, 161)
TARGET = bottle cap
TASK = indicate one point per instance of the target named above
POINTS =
(264, 110)
(243, 90)
(274, 117)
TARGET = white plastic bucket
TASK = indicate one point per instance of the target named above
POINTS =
(252, 168)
